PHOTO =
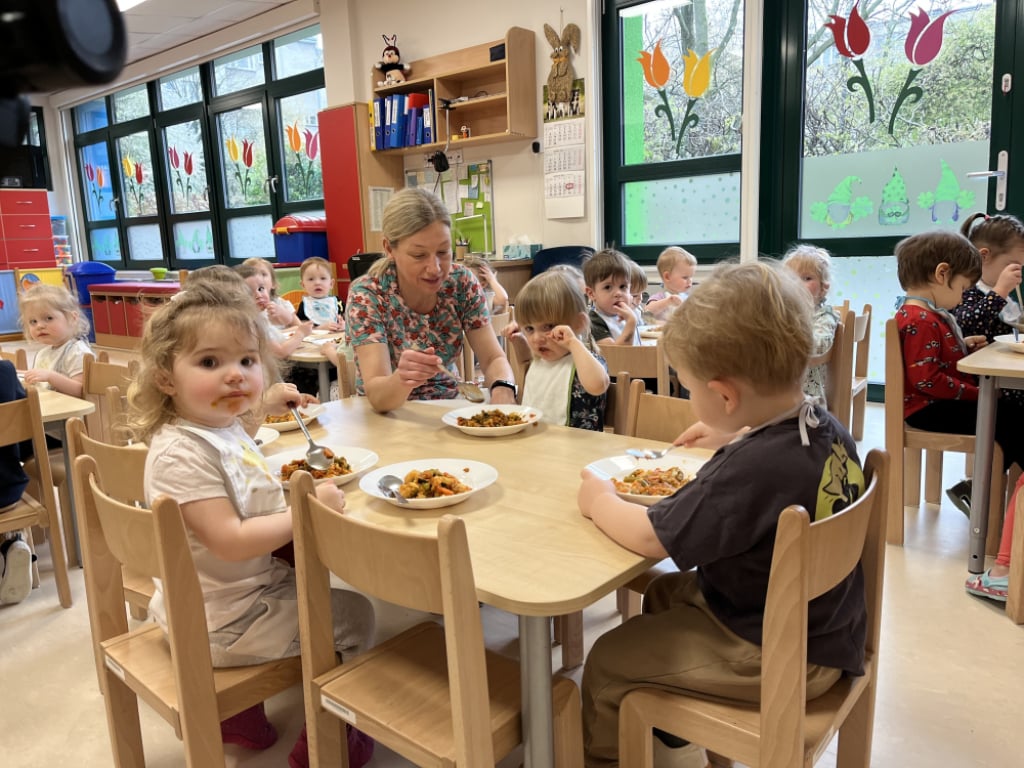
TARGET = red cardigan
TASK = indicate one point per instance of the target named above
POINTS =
(930, 355)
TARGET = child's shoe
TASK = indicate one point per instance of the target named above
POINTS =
(960, 495)
(16, 574)
(985, 585)
(688, 756)
(360, 749)
(249, 728)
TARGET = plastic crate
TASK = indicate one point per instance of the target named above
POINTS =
(299, 237)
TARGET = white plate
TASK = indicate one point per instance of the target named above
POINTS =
(360, 459)
(1007, 339)
(530, 416)
(650, 331)
(265, 436)
(308, 414)
(478, 477)
(617, 467)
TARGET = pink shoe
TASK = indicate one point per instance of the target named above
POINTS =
(249, 728)
(360, 749)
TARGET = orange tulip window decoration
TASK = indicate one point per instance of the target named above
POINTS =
(696, 79)
(305, 145)
(95, 176)
(241, 156)
(923, 43)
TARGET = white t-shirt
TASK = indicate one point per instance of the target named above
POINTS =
(68, 359)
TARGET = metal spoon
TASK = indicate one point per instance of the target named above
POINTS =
(648, 453)
(315, 456)
(467, 389)
(389, 485)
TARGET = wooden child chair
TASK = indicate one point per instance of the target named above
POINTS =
(859, 381)
(16, 356)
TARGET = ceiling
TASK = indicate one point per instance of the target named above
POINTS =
(159, 25)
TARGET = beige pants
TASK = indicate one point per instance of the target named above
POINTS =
(676, 644)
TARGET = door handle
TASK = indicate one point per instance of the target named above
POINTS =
(1002, 165)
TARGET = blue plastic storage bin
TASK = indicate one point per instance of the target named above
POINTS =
(300, 236)
(79, 277)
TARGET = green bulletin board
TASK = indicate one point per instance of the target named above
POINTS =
(468, 192)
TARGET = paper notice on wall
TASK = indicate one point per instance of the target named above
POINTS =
(379, 197)
(564, 169)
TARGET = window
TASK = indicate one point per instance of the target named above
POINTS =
(203, 178)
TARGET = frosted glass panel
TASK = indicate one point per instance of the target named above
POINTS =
(193, 240)
(250, 236)
(892, 192)
(696, 209)
(868, 280)
(104, 245)
(144, 243)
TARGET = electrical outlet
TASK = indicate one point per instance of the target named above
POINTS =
(454, 158)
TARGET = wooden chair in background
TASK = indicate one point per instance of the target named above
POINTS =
(468, 363)
(904, 445)
(21, 420)
(16, 356)
(1015, 593)
(294, 297)
(654, 417)
(448, 701)
(838, 362)
(859, 382)
(785, 729)
(172, 673)
(97, 376)
(646, 361)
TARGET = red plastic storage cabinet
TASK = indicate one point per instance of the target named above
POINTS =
(120, 310)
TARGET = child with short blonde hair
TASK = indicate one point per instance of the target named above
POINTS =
(677, 267)
(813, 266)
(488, 279)
(701, 630)
(612, 319)
(50, 316)
(567, 380)
(319, 304)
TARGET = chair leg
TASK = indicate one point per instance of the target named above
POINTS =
(996, 503)
(629, 602)
(911, 477)
(894, 507)
(856, 732)
(123, 722)
(933, 477)
(860, 402)
(636, 739)
(568, 724)
(64, 499)
(1015, 592)
(570, 632)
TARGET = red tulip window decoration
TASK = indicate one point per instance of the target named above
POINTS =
(241, 157)
(182, 161)
(696, 79)
(95, 177)
(924, 41)
(305, 144)
(134, 176)
(852, 38)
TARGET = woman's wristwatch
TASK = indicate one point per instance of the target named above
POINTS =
(502, 383)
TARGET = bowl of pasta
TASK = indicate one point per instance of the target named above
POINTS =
(347, 463)
(286, 422)
(646, 482)
(432, 483)
(492, 420)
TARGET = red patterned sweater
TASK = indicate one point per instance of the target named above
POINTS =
(930, 355)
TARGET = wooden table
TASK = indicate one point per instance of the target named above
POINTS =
(997, 367)
(57, 408)
(533, 554)
(310, 355)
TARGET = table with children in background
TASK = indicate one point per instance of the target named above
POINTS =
(533, 554)
(997, 366)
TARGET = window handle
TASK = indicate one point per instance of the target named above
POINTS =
(1000, 174)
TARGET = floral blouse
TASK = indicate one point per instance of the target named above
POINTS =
(377, 314)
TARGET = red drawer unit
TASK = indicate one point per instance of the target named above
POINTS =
(26, 236)
(135, 318)
(120, 310)
(117, 316)
(100, 314)
(14, 201)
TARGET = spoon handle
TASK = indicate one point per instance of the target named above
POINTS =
(302, 425)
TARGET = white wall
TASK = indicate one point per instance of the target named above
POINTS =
(352, 45)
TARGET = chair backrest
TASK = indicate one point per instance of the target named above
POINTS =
(616, 404)
(22, 420)
(96, 378)
(561, 254)
(807, 561)
(895, 378)
(153, 543)
(431, 573)
(293, 297)
(838, 362)
(359, 263)
(862, 342)
(119, 468)
(656, 417)
(645, 361)
(16, 356)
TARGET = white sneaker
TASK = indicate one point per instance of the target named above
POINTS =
(689, 756)
(16, 581)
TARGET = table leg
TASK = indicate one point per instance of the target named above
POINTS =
(324, 384)
(535, 662)
(981, 492)
(70, 546)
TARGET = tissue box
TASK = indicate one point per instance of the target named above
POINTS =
(512, 252)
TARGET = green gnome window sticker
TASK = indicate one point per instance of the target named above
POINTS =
(842, 209)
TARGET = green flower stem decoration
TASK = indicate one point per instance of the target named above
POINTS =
(690, 120)
(907, 92)
(862, 81)
(664, 110)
